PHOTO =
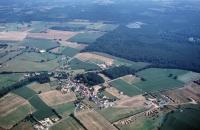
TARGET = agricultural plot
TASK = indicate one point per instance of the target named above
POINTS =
(42, 110)
(7, 56)
(65, 109)
(23, 126)
(113, 114)
(86, 37)
(37, 87)
(31, 63)
(99, 26)
(12, 36)
(40, 43)
(68, 51)
(13, 109)
(54, 97)
(68, 123)
(188, 77)
(126, 88)
(94, 121)
(76, 64)
(130, 79)
(9, 79)
(156, 79)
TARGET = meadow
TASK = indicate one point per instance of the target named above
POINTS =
(64, 109)
(68, 51)
(9, 79)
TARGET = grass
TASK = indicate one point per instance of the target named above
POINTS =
(188, 77)
(126, 88)
(65, 109)
(43, 110)
(37, 87)
(87, 37)
(68, 123)
(31, 62)
(14, 117)
(68, 51)
(40, 43)
(187, 119)
(158, 79)
(114, 114)
(78, 64)
(9, 79)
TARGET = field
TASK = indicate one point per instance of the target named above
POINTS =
(23, 126)
(130, 79)
(40, 43)
(86, 56)
(65, 109)
(126, 88)
(72, 45)
(188, 77)
(13, 109)
(9, 79)
(76, 64)
(42, 110)
(86, 37)
(37, 87)
(155, 79)
(68, 123)
(185, 119)
(28, 63)
(52, 35)
(12, 36)
(54, 97)
(68, 51)
(113, 114)
(94, 121)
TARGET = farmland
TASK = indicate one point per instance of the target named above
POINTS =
(12, 36)
(126, 88)
(9, 79)
(68, 51)
(65, 108)
(37, 87)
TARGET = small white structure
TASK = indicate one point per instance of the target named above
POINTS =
(42, 51)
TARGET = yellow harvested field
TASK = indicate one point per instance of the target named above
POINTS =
(54, 97)
(13, 36)
(53, 34)
(131, 102)
(86, 56)
(11, 102)
(94, 121)
(37, 87)
(72, 44)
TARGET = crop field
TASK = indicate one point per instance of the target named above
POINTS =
(188, 77)
(187, 119)
(113, 114)
(7, 56)
(42, 110)
(78, 64)
(86, 37)
(94, 121)
(9, 79)
(130, 79)
(68, 123)
(65, 109)
(159, 79)
(37, 87)
(54, 97)
(86, 56)
(23, 126)
(126, 88)
(12, 36)
(22, 64)
(99, 26)
(52, 35)
(40, 43)
(68, 51)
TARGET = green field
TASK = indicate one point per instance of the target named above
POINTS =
(14, 117)
(102, 27)
(40, 43)
(65, 109)
(87, 37)
(42, 110)
(68, 51)
(126, 88)
(183, 119)
(114, 114)
(188, 77)
(67, 124)
(23, 126)
(31, 62)
(158, 79)
(76, 64)
(9, 79)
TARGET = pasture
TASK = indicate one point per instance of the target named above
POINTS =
(68, 51)
(86, 37)
(64, 109)
(155, 79)
(126, 88)
(94, 121)
(9, 79)
(40, 43)
(188, 77)
(68, 123)
(77, 64)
